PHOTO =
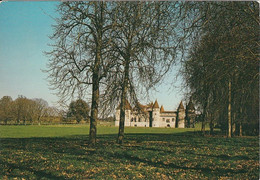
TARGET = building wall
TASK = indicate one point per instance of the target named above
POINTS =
(117, 117)
(168, 121)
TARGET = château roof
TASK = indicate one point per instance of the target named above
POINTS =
(156, 105)
(181, 106)
(162, 109)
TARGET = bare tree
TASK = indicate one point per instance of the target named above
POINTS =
(78, 59)
(145, 47)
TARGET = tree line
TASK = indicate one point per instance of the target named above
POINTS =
(119, 51)
(222, 66)
(23, 110)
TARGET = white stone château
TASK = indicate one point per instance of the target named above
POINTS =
(151, 115)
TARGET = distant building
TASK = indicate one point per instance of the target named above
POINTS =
(151, 115)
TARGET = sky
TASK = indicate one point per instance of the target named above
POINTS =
(24, 31)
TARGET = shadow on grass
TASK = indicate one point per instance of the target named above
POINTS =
(75, 148)
(39, 173)
(217, 172)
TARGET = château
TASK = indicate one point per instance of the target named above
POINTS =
(151, 115)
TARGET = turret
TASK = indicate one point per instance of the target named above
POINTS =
(180, 122)
(156, 114)
(128, 110)
(117, 116)
(162, 109)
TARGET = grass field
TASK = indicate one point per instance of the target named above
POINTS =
(61, 152)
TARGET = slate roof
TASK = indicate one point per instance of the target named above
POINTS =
(181, 106)
(156, 105)
(162, 109)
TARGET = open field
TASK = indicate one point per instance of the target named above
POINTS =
(61, 152)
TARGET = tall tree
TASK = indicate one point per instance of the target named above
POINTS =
(227, 52)
(79, 56)
(145, 47)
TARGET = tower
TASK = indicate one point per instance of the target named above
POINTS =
(155, 114)
(162, 109)
(117, 116)
(180, 121)
(128, 110)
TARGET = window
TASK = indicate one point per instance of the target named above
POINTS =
(173, 119)
(163, 119)
(132, 119)
(168, 120)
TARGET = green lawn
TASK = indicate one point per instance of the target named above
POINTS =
(61, 152)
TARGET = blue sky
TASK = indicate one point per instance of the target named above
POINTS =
(24, 30)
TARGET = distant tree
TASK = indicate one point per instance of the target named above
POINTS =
(78, 109)
(20, 109)
(40, 108)
(6, 109)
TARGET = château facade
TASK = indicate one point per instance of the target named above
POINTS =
(151, 115)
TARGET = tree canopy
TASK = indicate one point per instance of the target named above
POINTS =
(78, 109)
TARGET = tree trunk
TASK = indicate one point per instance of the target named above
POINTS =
(39, 122)
(95, 97)
(240, 123)
(229, 110)
(94, 110)
(211, 125)
(240, 129)
(203, 124)
(123, 103)
(234, 129)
